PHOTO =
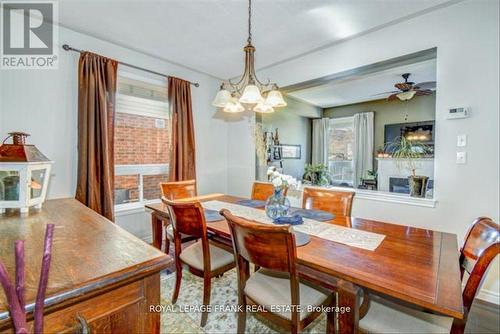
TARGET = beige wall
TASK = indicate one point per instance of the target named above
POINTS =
(294, 128)
(421, 108)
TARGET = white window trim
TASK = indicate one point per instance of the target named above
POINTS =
(140, 106)
(141, 170)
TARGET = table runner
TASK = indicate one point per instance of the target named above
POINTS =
(344, 235)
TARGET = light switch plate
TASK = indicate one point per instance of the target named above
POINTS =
(461, 158)
(461, 140)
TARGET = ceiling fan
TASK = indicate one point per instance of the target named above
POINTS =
(407, 89)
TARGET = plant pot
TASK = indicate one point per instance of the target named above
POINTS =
(418, 185)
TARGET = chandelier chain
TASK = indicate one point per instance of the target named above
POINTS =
(249, 40)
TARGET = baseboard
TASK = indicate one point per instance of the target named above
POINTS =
(489, 296)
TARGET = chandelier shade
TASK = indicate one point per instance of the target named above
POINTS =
(222, 98)
(275, 99)
(233, 106)
(249, 90)
(251, 95)
(263, 108)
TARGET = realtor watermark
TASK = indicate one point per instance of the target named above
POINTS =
(28, 37)
(169, 308)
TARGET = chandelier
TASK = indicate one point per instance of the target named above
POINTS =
(263, 97)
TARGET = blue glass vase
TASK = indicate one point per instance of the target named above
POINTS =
(277, 205)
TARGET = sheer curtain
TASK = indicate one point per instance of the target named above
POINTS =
(362, 159)
(320, 140)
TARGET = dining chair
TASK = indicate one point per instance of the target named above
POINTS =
(202, 259)
(337, 202)
(173, 191)
(261, 191)
(481, 246)
(287, 301)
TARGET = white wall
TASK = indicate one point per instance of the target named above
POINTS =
(466, 35)
(44, 104)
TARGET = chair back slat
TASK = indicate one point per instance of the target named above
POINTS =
(481, 246)
(178, 190)
(268, 246)
(261, 191)
(338, 203)
(187, 218)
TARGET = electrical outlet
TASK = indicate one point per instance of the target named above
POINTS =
(461, 140)
(461, 158)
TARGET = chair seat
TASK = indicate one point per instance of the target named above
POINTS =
(268, 288)
(387, 317)
(193, 256)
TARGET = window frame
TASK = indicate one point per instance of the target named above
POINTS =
(345, 119)
(133, 106)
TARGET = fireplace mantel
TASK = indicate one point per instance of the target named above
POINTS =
(388, 167)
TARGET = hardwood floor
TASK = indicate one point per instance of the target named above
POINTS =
(484, 317)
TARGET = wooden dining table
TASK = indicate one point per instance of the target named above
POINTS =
(413, 265)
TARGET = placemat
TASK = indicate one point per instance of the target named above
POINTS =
(313, 214)
(212, 215)
(344, 235)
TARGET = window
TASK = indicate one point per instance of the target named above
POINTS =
(340, 150)
(142, 141)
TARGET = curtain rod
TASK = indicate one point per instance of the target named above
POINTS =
(69, 48)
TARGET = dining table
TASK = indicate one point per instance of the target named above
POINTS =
(415, 266)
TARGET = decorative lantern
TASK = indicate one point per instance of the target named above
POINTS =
(24, 174)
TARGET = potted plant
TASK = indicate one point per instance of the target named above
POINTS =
(405, 152)
(317, 175)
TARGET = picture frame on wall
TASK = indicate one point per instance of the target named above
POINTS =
(289, 151)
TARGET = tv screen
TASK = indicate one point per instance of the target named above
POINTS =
(422, 132)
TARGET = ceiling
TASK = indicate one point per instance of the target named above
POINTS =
(208, 35)
(362, 88)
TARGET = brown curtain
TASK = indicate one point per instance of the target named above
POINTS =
(182, 157)
(96, 114)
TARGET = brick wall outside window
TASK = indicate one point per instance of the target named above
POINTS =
(139, 141)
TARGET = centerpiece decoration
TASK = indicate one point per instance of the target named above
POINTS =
(277, 205)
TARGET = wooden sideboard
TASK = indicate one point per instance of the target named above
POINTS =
(100, 274)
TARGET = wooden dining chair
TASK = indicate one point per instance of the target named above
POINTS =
(481, 246)
(202, 259)
(261, 191)
(173, 191)
(275, 286)
(337, 202)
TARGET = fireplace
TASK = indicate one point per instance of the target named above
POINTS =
(401, 185)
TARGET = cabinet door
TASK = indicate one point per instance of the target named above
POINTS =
(121, 310)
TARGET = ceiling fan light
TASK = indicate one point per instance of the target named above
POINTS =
(233, 106)
(263, 108)
(222, 98)
(405, 96)
(275, 99)
(251, 95)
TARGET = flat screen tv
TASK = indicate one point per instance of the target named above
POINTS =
(422, 132)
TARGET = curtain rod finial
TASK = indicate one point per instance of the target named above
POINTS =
(66, 47)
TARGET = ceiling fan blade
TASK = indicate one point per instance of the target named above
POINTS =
(384, 93)
(393, 97)
(422, 92)
(426, 85)
(403, 86)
